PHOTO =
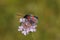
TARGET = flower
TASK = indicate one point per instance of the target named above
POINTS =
(26, 31)
(26, 27)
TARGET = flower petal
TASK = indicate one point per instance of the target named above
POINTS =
(24, 32)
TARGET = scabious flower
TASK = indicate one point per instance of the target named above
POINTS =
(26, 27)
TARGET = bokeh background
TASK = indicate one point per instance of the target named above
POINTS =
(48, 12)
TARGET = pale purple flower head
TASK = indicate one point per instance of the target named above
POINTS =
(25, 27)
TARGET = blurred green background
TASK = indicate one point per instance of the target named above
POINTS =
(48, 12)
